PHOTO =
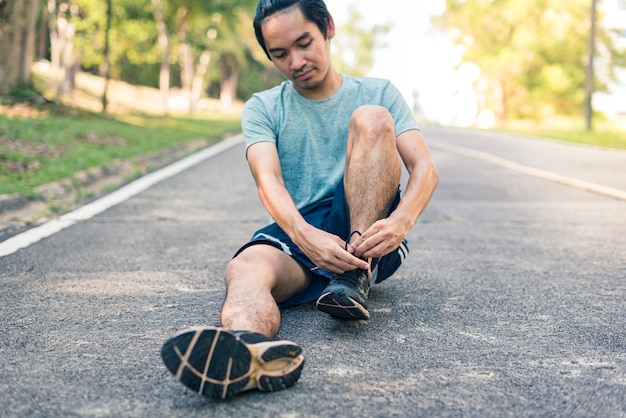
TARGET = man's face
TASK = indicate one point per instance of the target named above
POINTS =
(298, 49)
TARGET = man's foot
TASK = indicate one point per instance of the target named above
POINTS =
(346, 295)
(218, 363)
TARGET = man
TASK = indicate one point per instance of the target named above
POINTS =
(324, 151)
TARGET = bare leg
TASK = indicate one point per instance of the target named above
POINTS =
(222, 362)
(256, 280)
(372, 172)
(371, 182)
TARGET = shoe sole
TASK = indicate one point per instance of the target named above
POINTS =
(342, 306)
(216, 363)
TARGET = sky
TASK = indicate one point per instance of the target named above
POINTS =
(418, 58)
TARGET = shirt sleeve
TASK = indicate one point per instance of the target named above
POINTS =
(400, 111)
(256, 123)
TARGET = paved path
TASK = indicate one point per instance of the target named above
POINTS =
(599, 170)
(512, 302)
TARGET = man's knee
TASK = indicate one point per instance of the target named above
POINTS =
(267, 268)
(372, 123)
(241, 267)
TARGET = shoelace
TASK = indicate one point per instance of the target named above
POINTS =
(350, 237)
(352, 277)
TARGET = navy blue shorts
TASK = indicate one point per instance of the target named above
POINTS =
(331, 215)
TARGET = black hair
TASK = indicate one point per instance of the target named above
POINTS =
(313, 10)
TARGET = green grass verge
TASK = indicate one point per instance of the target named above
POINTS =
(52, 146)
(602, 138)
(604, 134)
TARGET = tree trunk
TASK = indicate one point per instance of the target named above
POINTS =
(106, 65)
(590, 87)
(28, 41)
(198, 80)
(43, 37)
(10, 46)
(17, 42)
(501, 100)
(68, 30)
(164, 45)
(55, 48)
(61, 44)
(228, 86)
(185, 57)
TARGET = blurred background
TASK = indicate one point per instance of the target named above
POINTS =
(547, 67)
(457, 62)
(483, 63)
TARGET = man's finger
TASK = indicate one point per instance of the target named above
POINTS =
(355, 262)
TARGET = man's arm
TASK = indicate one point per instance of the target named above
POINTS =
(423, 179)
(326, 250)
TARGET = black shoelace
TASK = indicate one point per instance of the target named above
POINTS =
(350, 237)
(352, 277)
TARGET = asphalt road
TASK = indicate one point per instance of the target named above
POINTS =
(512, 301)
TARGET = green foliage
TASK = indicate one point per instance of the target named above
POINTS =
(23, 93)
(531, 53)
(354, 45)
(135, 56)
(133, 47)
(36, 151)
(235, 49)
(90, 26)
(221, 27)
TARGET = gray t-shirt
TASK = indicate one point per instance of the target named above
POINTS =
(311, 135)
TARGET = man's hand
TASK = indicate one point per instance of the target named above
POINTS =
(380, 239)
(328, 251)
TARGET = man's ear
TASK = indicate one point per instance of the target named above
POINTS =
(330, 31)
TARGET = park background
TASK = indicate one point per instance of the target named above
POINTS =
(89, 87)
(469, 63)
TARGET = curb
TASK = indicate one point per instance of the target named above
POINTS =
(20, 240)
(19, 211)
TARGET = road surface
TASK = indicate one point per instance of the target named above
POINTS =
(512, 301)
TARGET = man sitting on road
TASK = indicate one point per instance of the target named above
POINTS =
(324, 149)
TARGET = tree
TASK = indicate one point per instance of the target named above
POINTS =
(205, 48)
(164, 46)
(354, 45)
(65, 19)
(165, 43)
(231, 51)
(208, 32)
(590, 87)
(107, 60)
(531, 53)
(17, 42)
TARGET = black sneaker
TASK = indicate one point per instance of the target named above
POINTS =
(346, 295)
(219, 364)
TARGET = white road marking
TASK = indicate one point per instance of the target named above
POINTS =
(530, 171)
(86, 212)
(92, 209)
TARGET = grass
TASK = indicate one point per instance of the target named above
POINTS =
(38, 147)
(601, 137)
(604, 133)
